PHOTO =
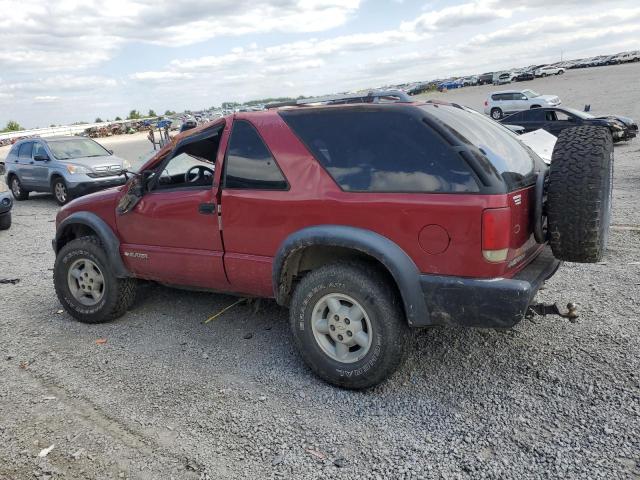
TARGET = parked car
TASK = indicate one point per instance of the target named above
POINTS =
(469, 81)
(5, 207)
(485, 78)
(68, 167)
(449, 85)
(555, 120)
(523, 76)
(188, 125)
(505, 102)
(627, 57)
(502, 78)
(301, 204)
(549, 70)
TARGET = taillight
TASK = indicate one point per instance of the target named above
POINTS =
(496, 233)
(486, 103)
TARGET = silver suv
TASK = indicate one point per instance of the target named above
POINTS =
(67, 167)
(499, 104)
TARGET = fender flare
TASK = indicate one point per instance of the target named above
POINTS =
(389, 254)
(109, 240)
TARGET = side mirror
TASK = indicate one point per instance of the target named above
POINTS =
(43, 157)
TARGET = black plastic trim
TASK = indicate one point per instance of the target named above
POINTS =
(395, 260)
(109, 240)
(485, 303)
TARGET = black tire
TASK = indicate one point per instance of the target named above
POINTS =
(496, 113)
(5, 221)
(560, 72)
(390, 332)
(17, 190)
(60, 191)
(119, 293)
(579, 195)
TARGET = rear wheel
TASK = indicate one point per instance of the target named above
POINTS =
(496, 113)
(17, 190)
(348, 325)
(86, 285)
(60, 191)
(579, 194)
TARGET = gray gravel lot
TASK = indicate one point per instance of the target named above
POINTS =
(169, 397)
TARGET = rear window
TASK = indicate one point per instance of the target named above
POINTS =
(514, 161)
(374, 149)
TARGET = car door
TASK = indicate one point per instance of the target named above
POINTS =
(25, 164)
(254, 196)
(558, 121)
(534, 119)
(172, 234)
(518, 102)
(40, 167)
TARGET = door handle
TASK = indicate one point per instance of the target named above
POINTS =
(207, 208)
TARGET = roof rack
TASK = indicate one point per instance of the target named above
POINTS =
(373, 96)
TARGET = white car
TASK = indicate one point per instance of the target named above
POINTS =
(549, 70)
(499, 104)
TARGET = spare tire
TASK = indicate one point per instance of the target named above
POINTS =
(579, 194)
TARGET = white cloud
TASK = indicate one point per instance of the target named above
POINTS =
(46, 98)
(72, 34)
(456, 16)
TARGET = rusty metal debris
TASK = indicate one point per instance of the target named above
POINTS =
(542, 309)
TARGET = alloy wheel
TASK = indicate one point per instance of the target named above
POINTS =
(342, 328)
(86, 282)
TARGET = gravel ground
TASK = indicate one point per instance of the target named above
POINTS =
(164, 395)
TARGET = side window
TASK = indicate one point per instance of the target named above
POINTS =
(563, 117)
(537, 115)
(375, 150)
(193, 165)
(496, 97)
(249, 164)
(38, 149)
(519, 96)
(25, 151)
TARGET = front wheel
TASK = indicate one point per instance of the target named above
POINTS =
(349, 325)
(5, 221)
(86, 285)
(60, 191)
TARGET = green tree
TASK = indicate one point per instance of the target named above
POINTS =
(134, 115)
(98, 120)
(151, 113)
(118, 119)
(168, 113)
(12, 126)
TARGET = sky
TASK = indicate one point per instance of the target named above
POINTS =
(65, 61)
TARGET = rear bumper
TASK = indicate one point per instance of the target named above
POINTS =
(83, 188)
(487, 303)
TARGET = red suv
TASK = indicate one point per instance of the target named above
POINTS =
(365, 217)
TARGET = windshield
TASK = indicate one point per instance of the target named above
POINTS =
(531, 93)
(76, 148)
(579, 114)
(513, 160)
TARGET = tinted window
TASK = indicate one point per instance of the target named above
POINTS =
(511, 158)
(535, 115)
(25, 150)
(249, 164)
(381, 150)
